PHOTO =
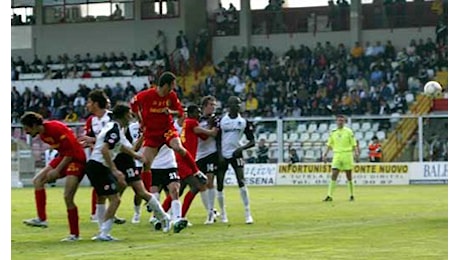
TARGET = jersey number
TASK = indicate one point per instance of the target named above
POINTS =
(173, 176)
(239, 162)
(130, 172)
(210, 167)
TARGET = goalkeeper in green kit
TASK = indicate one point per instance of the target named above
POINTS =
(343, 143)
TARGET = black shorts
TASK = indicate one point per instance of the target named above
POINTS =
(208, 164)
(163, 177)
(375, 159)
(234, 162)
(125, 163)
(101, 178)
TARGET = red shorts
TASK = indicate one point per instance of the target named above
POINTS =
(74, 168)
(182, 168)
(157, 140)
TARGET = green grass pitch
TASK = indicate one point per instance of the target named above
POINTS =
(291, 222)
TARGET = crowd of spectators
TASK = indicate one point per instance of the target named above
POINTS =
(373, 79)
(144, 63)
(226, 20)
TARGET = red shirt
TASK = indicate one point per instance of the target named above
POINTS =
(150, 105)
(188, 137)
(63, 139)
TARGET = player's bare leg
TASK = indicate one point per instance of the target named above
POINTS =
(147, 183)
(332, 184)
(149, 154)
(116, 219)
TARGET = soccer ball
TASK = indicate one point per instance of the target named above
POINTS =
(432, 88)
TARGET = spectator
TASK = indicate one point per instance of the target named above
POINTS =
(221, 20)
(293, 157)
(437, 149)
(252, 104)
(262, 152)
(86, 74)
(79, 104)
(71, 116)
(160, 42)
(250, 158)
(182, 45)
(117, 14)
(375, 150)
(232, 19)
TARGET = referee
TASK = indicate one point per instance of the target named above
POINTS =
(342, 142)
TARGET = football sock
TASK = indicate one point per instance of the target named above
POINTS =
(188, 159)
(212, 198)
(40, 203)
(100, 212)
(176, 208)
(351, 187)
(205, 199)
(72, 218)
(245, 197)
(137, 209)
(147, 180)
(156, 195)
(93, 201)
(167, 203)
(220, 199)
(156, 206)
(187, 202)
(106, 227)
(331, 188)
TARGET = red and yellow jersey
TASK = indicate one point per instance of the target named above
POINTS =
(63, 139)
(188, 137)
(151, 106)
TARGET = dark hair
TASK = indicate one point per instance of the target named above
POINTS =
(340, 116)
(31, 118)
(120, 110)
(233, 99)
(193, 109)
(206, 99)
(98, 96)
(166, 78)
